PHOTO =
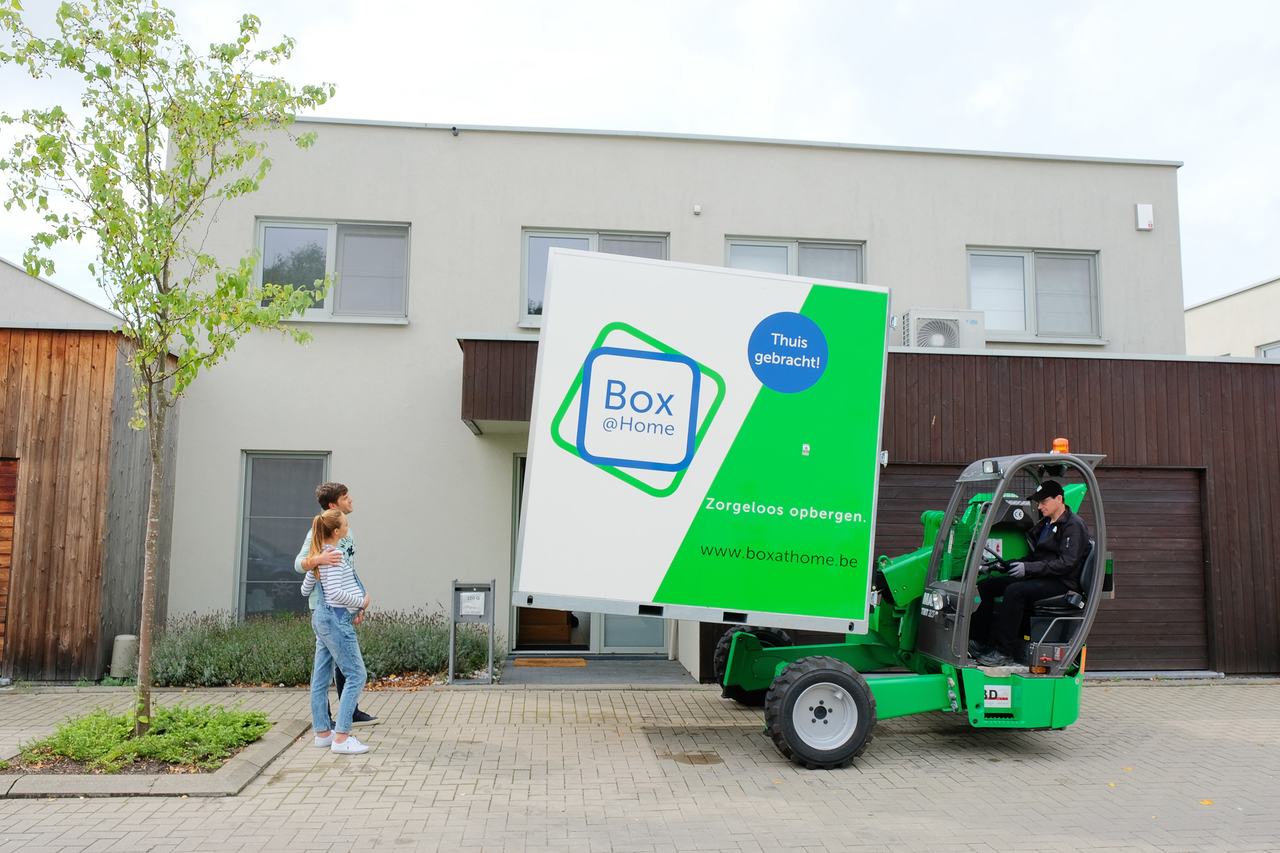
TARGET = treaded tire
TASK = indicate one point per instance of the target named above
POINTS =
(770, 638)
(788, 687)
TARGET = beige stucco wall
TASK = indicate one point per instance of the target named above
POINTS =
(1236, 324)
(434, 500)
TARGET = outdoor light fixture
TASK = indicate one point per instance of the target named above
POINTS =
(990, 466)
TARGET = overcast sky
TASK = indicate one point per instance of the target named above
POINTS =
(1191, 81)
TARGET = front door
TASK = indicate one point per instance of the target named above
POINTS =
(540, 630)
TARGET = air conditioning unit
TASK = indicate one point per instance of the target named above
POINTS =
(940, 328)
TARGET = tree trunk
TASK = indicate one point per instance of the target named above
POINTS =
(142, 696)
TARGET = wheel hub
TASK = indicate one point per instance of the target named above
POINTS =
(824, 716)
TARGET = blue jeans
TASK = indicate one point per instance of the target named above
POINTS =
(335, 643)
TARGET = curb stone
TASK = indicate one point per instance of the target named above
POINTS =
(228, 781)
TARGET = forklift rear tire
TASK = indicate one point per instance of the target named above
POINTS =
(820, 713)
(770, 638)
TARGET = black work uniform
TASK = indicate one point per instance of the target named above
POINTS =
(1053, 568)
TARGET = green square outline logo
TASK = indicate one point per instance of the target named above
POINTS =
(577, 385)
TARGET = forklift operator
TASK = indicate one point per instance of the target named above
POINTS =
(1058, 546)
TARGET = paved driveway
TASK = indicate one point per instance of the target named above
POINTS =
(1170, 766)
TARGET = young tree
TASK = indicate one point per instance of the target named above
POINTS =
(162, 135)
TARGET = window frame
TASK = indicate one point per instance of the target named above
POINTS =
(1265, 350)
(793, 245)
(326, 311)
(242, 522)
(1030, 294)
(534, 321)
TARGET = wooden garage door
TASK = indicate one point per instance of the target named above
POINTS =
(1157, 619)
(1154, 526)
(8, 493)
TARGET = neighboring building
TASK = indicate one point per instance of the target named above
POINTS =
(74, 480)
(438, 239)
(1244, 323)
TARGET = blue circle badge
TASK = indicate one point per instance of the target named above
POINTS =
(787, 352)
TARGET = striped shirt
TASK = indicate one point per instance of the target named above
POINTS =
(341, 588)
(347, 545)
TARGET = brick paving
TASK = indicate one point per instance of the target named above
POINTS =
(1151, 766)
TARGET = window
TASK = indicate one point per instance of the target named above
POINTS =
(835, 261)
(279, 503)
(369, 264)
(534, 259)
(1029, 294)
(1269, 350)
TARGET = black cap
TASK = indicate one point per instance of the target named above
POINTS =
(1048, 489)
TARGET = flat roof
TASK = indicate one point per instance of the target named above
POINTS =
(1235, 292)
(696, 137)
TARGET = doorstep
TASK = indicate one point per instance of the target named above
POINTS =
(597, 671)
(1152, 675)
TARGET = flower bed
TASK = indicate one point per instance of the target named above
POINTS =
(219, 650)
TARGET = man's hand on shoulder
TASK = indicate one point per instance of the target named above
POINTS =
(331, 557)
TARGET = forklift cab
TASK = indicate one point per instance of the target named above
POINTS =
(985, 527)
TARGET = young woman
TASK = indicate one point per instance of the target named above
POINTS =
(344, 604)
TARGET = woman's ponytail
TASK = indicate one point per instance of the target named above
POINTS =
(322, 526)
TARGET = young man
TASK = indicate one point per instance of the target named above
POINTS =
(1058, 544)
(333, 496)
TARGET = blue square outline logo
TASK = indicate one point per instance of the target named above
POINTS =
(583, 407)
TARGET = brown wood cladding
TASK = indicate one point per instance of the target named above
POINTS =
(497, 380)
(55, 419)
(943, 409)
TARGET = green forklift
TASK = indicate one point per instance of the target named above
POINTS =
(821, 702)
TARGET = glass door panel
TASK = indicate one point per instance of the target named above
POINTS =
(633, 634)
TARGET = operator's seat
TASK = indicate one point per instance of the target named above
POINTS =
(1071, 603)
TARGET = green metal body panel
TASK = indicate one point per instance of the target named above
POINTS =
(903, 695)
(1011, 702)
(905, 575)
(754, 667)
(1033, 702)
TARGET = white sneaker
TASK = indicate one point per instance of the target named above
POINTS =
(350, 746)
(322, 742)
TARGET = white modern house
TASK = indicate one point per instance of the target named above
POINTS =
(1244, 323)
(437, 238)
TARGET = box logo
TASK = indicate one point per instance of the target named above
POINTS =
(638, 409)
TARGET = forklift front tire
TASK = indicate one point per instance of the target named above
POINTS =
(820, 713)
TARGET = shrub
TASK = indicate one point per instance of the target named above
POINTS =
(218, 650)
(201, 736)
